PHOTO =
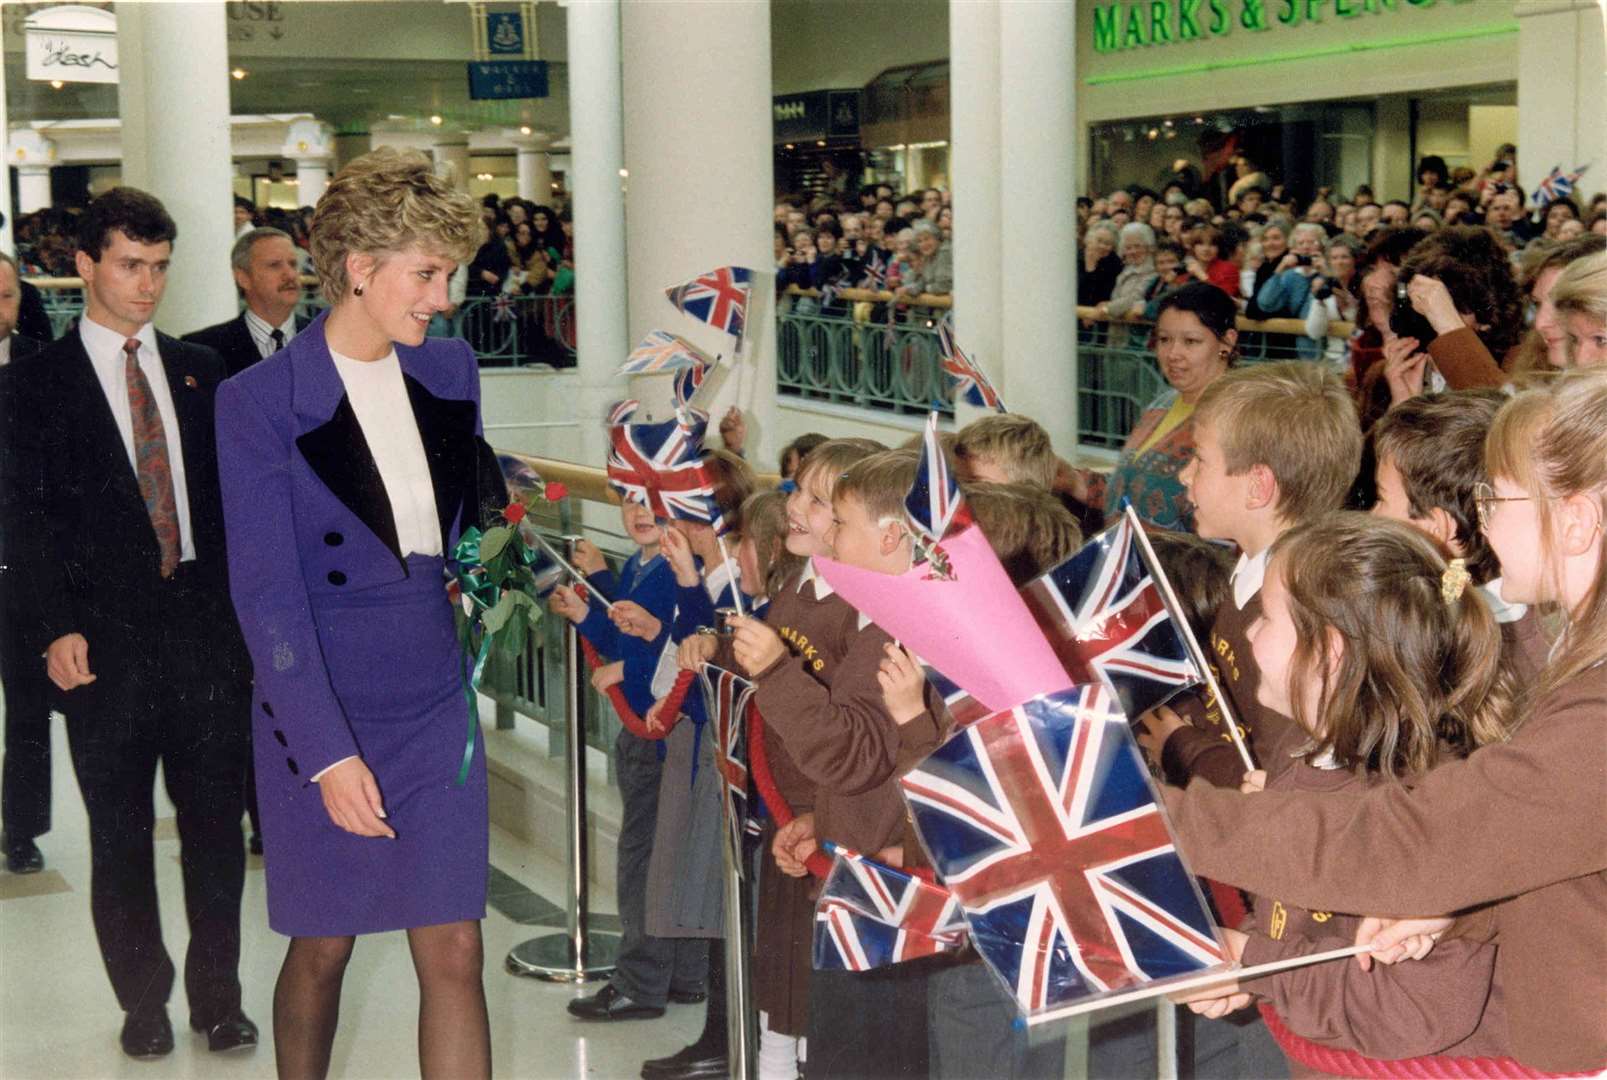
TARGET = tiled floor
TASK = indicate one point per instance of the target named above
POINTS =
(58, 1017)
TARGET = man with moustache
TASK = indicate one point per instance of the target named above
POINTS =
(120, 559)
(264, 263)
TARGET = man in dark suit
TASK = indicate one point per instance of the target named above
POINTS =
(264, 262)
(25, 784)
(120, 556)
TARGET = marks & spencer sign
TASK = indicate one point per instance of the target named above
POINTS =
(1133, 24)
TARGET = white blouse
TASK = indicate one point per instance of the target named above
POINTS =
(379, 398)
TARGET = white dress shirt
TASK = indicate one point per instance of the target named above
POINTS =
(5, 350)
(385, 413)
(1248, 576)
(105, 349)
(262, 332)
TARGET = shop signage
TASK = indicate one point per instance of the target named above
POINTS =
(73, 43)
(500, 80)
(816, 114)
(1133, 24)
(505, 33)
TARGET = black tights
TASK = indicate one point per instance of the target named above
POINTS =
(454, 1033)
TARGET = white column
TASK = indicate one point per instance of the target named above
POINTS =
(451, 153)
(534, 170)
(974, 167)
(6, 244)
(698, 147)
(1562, 90)
(311, 145)
(597, 196)
(33, 155)
(173, 97)
(1039, 145)
(1394, 171)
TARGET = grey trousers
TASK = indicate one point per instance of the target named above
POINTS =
(648, 967)
(974, 1030)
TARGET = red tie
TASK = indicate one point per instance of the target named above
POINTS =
(150, 460)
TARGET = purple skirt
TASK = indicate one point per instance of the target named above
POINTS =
(397, 669)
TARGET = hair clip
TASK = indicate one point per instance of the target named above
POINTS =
(1454, 580)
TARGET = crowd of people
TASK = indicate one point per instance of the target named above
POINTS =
(1421, 685)
(885, 243)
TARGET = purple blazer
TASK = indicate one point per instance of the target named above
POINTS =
(307, 516)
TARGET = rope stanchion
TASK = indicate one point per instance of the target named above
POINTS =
(1349, 1063)
(669, 705)
(759, 765)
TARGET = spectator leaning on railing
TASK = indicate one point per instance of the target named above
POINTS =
(1100, 266)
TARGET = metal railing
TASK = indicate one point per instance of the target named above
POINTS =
(514, 330)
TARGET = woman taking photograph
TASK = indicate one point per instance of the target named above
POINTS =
(1194, 340)
(350, 463)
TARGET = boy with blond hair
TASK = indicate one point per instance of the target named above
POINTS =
(1275, 445)
(1006, 448)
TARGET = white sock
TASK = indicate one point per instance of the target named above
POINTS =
(778, 1054)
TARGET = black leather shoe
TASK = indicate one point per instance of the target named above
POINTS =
(234, 1032)
(147, 1034)
(609, 1004)
(688, 997)
(695, 1062)
(22, 855)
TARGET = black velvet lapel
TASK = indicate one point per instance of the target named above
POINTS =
(446, 427)
(339, 454)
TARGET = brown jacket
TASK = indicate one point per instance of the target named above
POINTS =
(1521, 826)
(1440, 1005)
(1204, 748)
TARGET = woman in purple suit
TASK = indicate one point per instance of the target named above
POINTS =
(351, 461)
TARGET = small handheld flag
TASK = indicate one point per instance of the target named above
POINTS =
(661, 350)
(969, 381)
(719, 298)
(934, 506)
(870, 915)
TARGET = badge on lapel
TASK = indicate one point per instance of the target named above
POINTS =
(189, 380)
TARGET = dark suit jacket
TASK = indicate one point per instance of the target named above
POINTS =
(84, 545)
(32, 320)
(232, 341)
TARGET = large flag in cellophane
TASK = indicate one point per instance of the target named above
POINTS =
(870, 914)
(1105, 617)
(1043, 822)
(727, 696)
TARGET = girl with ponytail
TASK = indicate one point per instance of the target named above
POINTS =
(1391, 663)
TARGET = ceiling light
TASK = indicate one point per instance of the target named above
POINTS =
(624, 172)
(56, 84)
(525, 130)
(238, 73)
(436, 120)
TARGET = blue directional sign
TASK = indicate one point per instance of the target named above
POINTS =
(500, 80)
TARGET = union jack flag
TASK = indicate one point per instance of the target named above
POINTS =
(1557, 185)
(661, 466)
(934, 503)
(875, 271)
(969, 382)
(963, 709)
(719, 298)
(661, 350)
(1041, 819)
(502, 308)
(1107, 621)
(686, 381)
(727, 696)
(870, 915)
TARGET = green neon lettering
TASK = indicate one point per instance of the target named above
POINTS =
(1291, 12)
(1188, 20)
(1314, 11)
(1134, 34)
(1160, 22)
(1105, 27)
(1253, 16)
(1346, 9)
(1221, 22)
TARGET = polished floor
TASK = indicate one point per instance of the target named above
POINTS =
(58, 1017)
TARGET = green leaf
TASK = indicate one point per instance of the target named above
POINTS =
(533, 615)
(512, 638)
(492, 543)
(497, 617)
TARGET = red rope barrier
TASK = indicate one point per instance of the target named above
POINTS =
(763, 779)
(669, 706)
(1349, 1063)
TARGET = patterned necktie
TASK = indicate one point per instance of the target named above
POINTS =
(278, 336)
(150, 459)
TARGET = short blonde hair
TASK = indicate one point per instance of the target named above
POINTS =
(832, 458)
(880, 482)
(382, 203)
(1016, 444)
(1297, 419)
(1581, 289)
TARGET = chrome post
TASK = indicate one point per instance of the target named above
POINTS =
(579, 955)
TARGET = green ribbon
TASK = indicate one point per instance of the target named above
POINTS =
(473, 581)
